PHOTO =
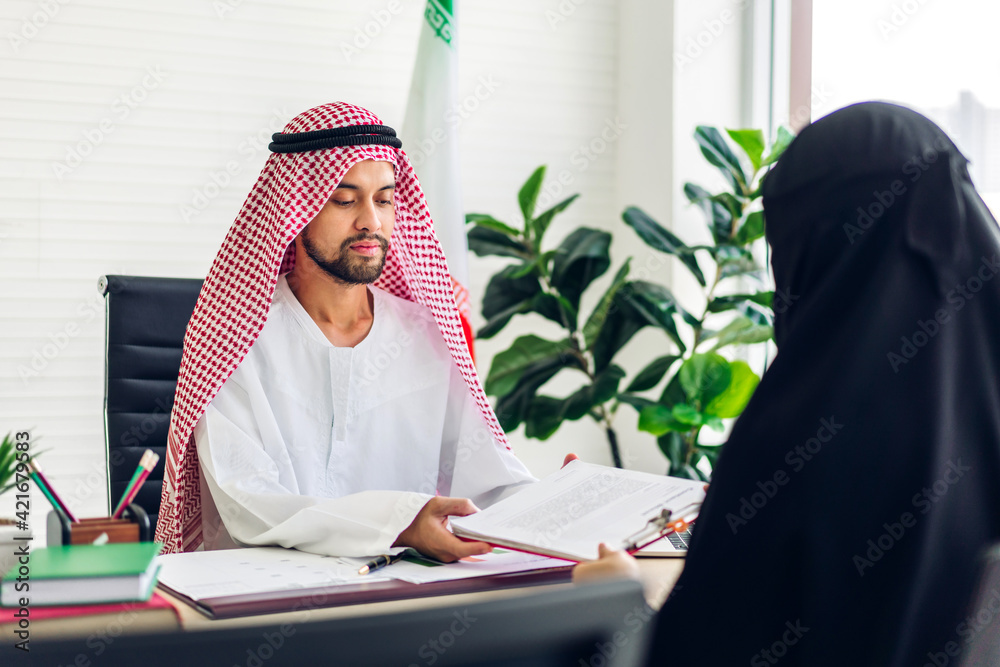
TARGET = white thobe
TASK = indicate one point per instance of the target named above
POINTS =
(334, 450)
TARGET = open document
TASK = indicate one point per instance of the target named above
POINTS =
(567, 514)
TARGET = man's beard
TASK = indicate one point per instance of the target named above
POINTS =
(346, 268)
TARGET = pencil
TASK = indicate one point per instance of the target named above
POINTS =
(49, 491)
(146, 464)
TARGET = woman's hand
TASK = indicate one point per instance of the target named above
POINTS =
(610, 564)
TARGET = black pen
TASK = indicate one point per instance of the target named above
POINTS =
(381, 562)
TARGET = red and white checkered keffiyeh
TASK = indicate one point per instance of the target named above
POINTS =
(236, 296)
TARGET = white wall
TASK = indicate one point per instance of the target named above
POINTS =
(163, 96)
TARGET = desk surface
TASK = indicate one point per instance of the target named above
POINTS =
(658, 575)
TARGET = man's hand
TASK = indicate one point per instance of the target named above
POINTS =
(569, 459)
(429, 534)
(610, 564)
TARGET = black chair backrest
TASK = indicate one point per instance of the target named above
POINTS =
(145, 322)
(605, 624)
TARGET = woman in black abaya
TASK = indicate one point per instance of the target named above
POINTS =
(862, 482)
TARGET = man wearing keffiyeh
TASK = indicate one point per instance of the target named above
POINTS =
(327, 400)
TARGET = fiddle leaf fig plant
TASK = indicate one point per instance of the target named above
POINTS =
(703, 387)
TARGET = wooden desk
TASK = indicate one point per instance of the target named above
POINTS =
(658, 576)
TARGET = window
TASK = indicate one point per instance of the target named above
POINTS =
(938, 58)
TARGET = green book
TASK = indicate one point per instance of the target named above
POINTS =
(83, 574)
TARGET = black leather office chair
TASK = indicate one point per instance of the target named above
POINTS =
(145, 322)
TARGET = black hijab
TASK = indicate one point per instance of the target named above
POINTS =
(847, 511)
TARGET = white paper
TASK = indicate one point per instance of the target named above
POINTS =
(570, 512)
(206, 574)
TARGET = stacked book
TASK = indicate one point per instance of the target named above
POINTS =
(71, 590)
(82, 574)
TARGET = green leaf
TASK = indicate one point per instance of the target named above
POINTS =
(513, 408)
(734, 261)
(743, 330)
(496, 324)
(504, 290)
(673, 392)
(509, 365)
(730, 403)
(655, 305)
(781, 142)
(507, 294)
(686, 414)
(582, 257)
(730, 301)
(685, 471)
(704, 376)
(715, 149)
(719, 210)
(542, 222)
(637, 402)
(619, 327)
(528, 195)
(713, 423)
(597, 318)
(485, 242)
(659, 238)
(555, 308)
(544, 417)
(659, 419)
(651, 375)
(752, 142)
(488, 221)
(757, 314)
(752, 229)
(547, 413)
(673, 447)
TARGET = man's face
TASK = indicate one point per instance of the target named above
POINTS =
(349, 238)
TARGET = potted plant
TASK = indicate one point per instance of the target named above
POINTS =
(703, 387)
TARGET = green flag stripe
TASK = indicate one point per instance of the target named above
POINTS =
(439, 17)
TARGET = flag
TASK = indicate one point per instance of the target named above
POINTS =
(431, 142)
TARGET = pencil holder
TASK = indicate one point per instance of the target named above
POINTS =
(134, 526)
